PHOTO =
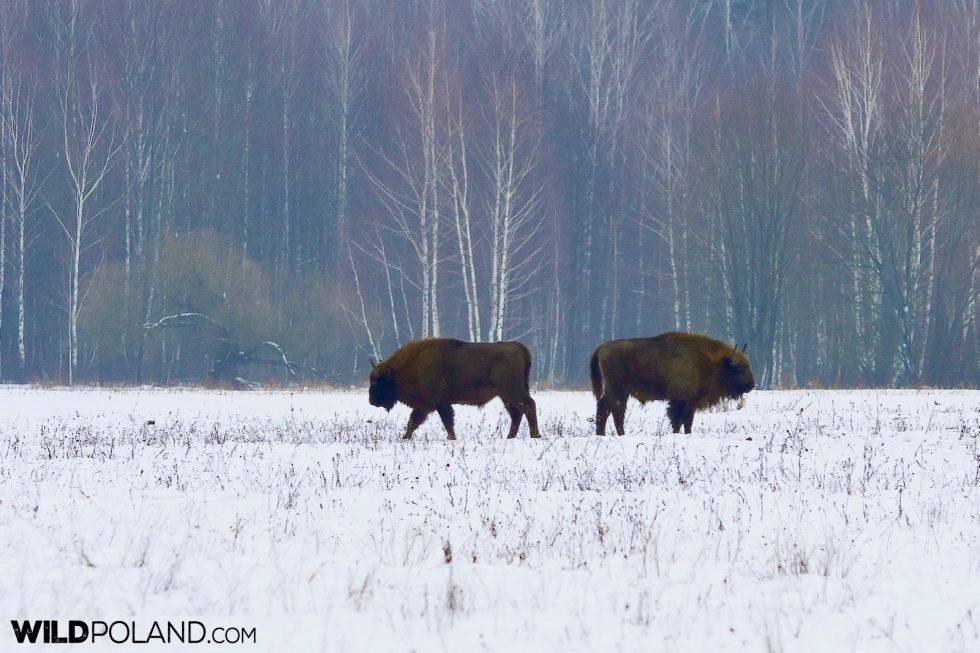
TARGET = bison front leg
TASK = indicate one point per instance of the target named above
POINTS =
(446, 414)
(415, 420)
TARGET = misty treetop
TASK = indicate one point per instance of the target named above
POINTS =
(277, 190)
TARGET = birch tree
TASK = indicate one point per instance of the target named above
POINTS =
(755, 188)
(345, 83)
(607, 48)
(559, 172)
(669, 128)
(543, 26)
(281, 18)
(22, 139)
(894, 158)
(854, 109)
(4, 144)
(414, 198)
(463, 219)
(90, 143)
(513, 203)
(906, 230)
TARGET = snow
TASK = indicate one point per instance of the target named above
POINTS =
(808, 521)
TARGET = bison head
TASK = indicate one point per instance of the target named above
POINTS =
(737, 374)
(382, 392)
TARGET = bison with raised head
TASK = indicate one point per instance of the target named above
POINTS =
(690, 371)
(435, 373)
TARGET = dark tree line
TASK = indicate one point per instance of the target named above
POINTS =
(280, 189)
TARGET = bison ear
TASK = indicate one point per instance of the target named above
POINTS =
(728, 362)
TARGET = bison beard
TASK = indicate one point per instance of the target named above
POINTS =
(435, 373)
(690, 371)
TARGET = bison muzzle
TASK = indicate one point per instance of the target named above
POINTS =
(435, 373)
(690, 371)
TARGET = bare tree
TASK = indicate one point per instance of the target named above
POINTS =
(895, 158)
(345, 82)
(559, 172)
(668, 175)
(463, 218)
(543, 29)
(513, 206)
(282, 18)
(907, 271)
(419, 164)
(18, 97)
(855, 112)
(755, 191)
(607, 47)
(90, 144)
(806, 19)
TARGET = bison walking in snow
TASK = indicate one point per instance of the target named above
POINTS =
(690, 371)
(435, 373)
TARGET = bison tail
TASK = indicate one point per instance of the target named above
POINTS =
(527, 373)
(596, 375)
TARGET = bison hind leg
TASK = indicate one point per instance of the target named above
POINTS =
(619, 414)
(523, 407)
(677, 413)
(607, 404)
(446, 414)
(530, 410)
(515, 419)
(602, 410)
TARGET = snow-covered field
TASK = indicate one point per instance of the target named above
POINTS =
(808, 521)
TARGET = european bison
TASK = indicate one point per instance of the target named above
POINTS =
(690, 371)
(435, 373)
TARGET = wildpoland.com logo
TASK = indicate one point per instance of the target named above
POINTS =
(76, 631)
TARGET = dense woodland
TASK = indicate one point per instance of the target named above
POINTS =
(278, 190)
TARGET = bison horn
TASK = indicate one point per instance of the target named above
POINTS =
(374, 362)
(744, 345)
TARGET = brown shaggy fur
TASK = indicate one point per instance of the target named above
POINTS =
(690, 371)
(435, 373)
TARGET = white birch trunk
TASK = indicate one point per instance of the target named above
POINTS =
(285, 244)
(462, 218)
(17, 116)
(250, 84)
(89, 149)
